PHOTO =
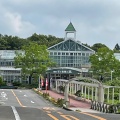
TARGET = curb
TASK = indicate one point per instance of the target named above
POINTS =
(67, 109)
(64, 107)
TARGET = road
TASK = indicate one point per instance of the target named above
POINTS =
(27, 105)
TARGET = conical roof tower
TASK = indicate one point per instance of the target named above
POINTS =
(70, 29)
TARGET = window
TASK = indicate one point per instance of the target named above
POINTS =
(87, 54)
(51, 53)
(59, 53)
(67, 53)
(63, 53)
(83, 54)
(55, 53)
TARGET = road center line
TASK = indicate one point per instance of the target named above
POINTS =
(53, 117)
(94, 116)
(18, 99)
(66, 117)
(17, 117)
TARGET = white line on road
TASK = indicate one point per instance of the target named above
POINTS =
(17, 117)
(32, 102)
(25, 95)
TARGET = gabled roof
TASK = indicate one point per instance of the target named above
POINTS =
(70, 27)
(70, 45)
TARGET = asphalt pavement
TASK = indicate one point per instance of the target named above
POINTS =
(27, 105)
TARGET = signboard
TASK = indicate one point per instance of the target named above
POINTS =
(63, 71)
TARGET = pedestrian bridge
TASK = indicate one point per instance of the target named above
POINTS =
(91, 89)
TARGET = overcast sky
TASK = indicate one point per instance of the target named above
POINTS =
(96, 21)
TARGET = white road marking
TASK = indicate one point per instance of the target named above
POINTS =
(25, 95)
(20, 91)
(32, 102)
(1, 103)
(17, 117)
(3, 96)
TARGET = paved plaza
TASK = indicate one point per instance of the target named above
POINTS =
(74, 104)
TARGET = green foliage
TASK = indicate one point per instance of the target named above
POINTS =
(78, 93)
(1, 80)
(27, 86)
(16, 43)
(53, 100)
(2, 83)
(35, 60)
(44, 39)
(104, 61)
(45, 95)
(60, 102)
(11, 42)
(16, 83)
(116, 96)
(110, 108)
(97, 46)
(62, 88)
(114, 82)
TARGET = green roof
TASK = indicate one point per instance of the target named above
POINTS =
(70, 27)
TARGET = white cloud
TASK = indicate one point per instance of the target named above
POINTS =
(17, 25)
(14, 21)
(95, 20)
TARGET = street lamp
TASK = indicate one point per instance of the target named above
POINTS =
(111, 74)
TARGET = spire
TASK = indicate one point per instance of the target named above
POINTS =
(70, 27)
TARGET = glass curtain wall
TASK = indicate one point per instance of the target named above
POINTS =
(70, 59)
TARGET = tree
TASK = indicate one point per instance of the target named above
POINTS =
(97, 46)
(34, 61)
(104, 61)
(44, 39)
(2, 82)
(116, 48)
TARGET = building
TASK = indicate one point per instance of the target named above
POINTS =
(7, 71)
(117, 55)
(71, 56)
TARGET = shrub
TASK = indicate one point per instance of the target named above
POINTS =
(110, 108)
(78, 93)
(116, 96)
(16, 84)
(45, 95)
(60, 102)
(61, 88)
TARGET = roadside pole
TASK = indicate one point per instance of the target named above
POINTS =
(39, 82)
(46, 84)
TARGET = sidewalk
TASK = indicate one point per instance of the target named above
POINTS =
(74, 104)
